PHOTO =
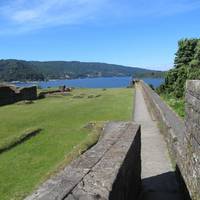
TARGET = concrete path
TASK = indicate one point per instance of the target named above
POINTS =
(159, 180)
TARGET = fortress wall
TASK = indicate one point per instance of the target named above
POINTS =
(182, 138)
(109, 170)
(28, 93)
(7, 95)
(192, 137)
(170, 124)
(10, 94)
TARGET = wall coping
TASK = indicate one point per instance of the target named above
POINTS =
(96, 173)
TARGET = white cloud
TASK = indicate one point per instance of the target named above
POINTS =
(26, 15)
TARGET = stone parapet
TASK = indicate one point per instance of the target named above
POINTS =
(192, 138)
(109, 170)
(182, 137)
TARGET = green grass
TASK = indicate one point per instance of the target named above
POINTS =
(63, 136)
(178, 105)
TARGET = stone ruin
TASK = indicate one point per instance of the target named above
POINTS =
(61, 89)
(10, 94)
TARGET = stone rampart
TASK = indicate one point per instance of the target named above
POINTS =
(182, 138)
(192, 137)
(10, 94)
(7, 94)
(109, 170)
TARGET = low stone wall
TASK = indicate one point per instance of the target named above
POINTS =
(109, 170)
(181, 141)
(127, 185)
(172, 126)
(10, 94)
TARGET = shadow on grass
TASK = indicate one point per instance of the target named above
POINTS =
(23, 138)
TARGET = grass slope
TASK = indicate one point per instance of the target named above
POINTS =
(61, 119)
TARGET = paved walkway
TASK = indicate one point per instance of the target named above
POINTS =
(159, 180)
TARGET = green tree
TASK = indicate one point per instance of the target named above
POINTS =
(186, 66)
(185, 53)
(194, 66)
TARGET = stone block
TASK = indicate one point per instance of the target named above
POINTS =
(193, 87)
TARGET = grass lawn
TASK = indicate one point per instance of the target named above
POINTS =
(178, 105)
(62, 120)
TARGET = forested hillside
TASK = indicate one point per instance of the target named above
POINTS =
(17, 70)
(186, 66)
(13, 70)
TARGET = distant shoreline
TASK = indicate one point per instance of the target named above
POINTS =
(100, 82)
(21, 70)
(82, 78)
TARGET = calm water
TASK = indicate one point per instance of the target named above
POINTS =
(156, 82)
(111, 82)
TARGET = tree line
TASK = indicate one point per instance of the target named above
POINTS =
(19, 70)
(186, 66)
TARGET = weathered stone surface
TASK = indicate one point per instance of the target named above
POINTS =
(158, 177)
(192, 101)
(193, 127)
(192, 140)
(193, 87)
(183, 139)
(171, 125)
(112, 166)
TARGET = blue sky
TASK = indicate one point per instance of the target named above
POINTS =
(139, 33)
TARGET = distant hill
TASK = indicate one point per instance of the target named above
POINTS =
(14, 70)
(19, 70)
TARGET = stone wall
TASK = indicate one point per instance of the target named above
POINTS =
(182, 138)
(170, 124)
(28, 93)
(7, 95)
(109, 170)
(192, 137)
(127, 185)
(10, 94)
